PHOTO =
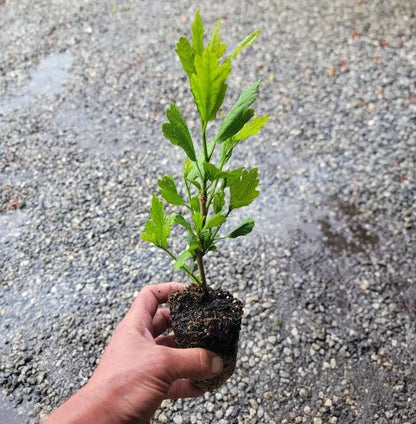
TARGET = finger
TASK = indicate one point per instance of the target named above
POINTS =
(193, 363)
(168, 341)
(161, 321)
(183, 389)
(148, 300)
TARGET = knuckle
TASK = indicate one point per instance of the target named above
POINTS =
(165, 359)
(164, 356)
(204, 359)
(147, 289)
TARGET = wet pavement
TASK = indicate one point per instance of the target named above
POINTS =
(327, 277)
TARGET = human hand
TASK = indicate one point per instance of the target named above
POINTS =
(139, 368)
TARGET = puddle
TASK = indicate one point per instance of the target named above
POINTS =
(49, 77)
(335, 225)
(338, 235)
(355, 239)
(8, 415)
(92, 132)
(11, 225)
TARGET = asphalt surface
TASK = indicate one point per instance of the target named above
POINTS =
(328, 275)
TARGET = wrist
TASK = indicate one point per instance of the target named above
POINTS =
(90, 404)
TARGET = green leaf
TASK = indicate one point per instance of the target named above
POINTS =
(195, 183)
(211, 171)
(215, 221)
(194, 173)
(243, 229)
(251, 128)
(193, 243)
(248, 41)
(169, 191)
(212, 248)
(215, 43)
(231, 177)
(219, 201)
(198, 33)
(186, 55)
(148, 234)
(208, 84)
(177, 132)
(227, 150)
(157, 229)
(198, 221)
(206, 240)
(213, 174)
(181, 260)
(187, 167)
(195, 206)
(179, 219)
(243, 192)
(239, 114)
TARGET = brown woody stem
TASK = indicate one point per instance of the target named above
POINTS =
(201, 269)
(203, 206)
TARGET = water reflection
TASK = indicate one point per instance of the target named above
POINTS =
(49, 77)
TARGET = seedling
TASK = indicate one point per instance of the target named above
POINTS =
(212, 188)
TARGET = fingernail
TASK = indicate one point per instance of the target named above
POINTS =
(217, 365)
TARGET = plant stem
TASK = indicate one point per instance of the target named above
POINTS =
(203, 207)
(201, 269)
(213, 192)
(188, 190)
(191, 274)
(212, 152)
(204, 140)
(218, 228)
(199, 254)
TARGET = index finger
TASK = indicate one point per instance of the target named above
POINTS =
(148, 300)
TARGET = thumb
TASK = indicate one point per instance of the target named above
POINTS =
(194, 363)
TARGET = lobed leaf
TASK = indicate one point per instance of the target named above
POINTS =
(169, 191)
(208, 84)
(215, 43)
(186, 55)
(177, 132)
(211, 171)
(231, 177)
(243, 192)
(198, 34)
(157, 229)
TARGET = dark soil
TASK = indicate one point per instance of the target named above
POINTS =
(209, 320)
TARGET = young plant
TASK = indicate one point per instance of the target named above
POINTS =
(212, 188)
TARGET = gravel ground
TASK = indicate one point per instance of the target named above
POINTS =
(328, 277)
